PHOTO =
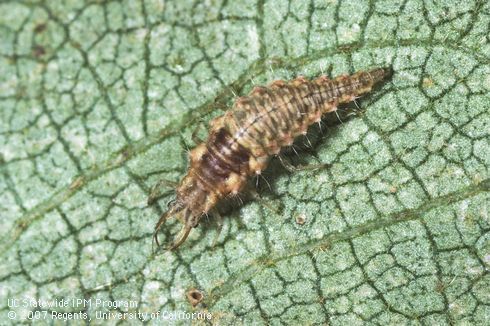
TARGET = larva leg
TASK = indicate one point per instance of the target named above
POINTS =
(291, 168)
(256, 196)
(288, 166)
(156, 192)
(195, 137)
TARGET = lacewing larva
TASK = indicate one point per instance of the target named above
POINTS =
(242, 140)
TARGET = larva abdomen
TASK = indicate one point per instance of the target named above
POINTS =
(242, 140)
(272, 117)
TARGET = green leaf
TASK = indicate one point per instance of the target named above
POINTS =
(99, 101)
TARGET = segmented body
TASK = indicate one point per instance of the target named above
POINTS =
(242, 141)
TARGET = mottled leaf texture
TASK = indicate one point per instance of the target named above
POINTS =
(99, 100)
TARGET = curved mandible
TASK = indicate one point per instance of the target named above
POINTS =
(174, 210)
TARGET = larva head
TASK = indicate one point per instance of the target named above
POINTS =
(192, 202)
(193, 195)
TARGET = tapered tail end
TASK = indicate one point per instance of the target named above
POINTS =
(381, 74)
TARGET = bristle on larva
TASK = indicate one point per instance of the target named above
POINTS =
(242, 141)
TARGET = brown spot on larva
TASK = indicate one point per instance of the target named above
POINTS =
(194, 296)
(40, 28)
(300, 219)
(242, 141)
